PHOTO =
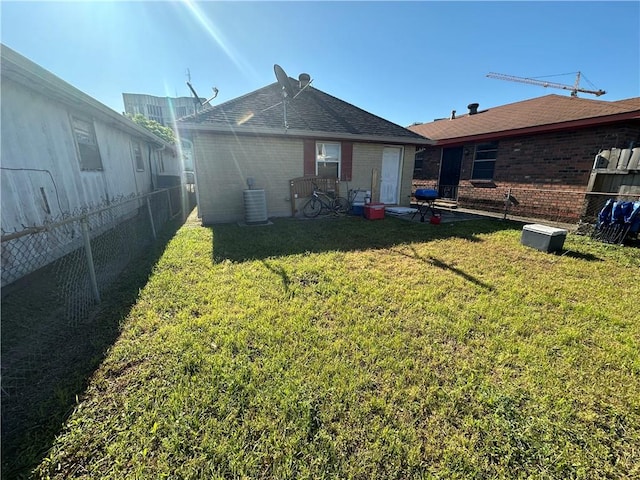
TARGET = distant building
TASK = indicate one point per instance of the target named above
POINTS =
(159, 108)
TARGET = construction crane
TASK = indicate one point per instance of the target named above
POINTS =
(575, 88)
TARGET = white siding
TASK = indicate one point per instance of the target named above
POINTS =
(39, 152)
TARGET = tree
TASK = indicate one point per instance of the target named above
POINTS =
(154, 127)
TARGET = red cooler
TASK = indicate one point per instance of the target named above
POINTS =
(374, 211)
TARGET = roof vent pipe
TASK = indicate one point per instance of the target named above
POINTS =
(473, 108)
(453, 115)
(304, 79)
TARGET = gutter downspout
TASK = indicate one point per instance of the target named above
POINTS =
(153, 187)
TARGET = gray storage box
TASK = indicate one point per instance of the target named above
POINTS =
(543, 238)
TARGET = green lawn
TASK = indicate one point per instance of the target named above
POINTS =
(347, 348)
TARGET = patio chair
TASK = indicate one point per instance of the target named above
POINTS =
(617, 221)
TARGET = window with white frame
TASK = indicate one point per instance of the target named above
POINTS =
(87, 144)
(137, 155)
(328, 160)
(484, 161)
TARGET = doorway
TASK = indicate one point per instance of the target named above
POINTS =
(450, 173)
(390, 175)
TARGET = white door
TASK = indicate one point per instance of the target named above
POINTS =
(390, 175)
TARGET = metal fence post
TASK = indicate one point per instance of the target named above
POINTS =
(184, 202)
(87, 250)
(153, 227)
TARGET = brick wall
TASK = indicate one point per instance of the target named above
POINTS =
(542, 202)
(545, 172)
(430, 164)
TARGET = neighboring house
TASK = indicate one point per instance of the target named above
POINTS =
(260, 140)
(63, 152)
(545, 147)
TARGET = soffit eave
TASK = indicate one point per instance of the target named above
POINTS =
(295, 133)
(549, 128)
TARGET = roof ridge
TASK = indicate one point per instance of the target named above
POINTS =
(367, 112)
(241, 97)
(315, 111)
(613, 103)
(545, 112)
(549, 95)
(227, 103)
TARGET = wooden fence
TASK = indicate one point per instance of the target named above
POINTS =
(302, 187)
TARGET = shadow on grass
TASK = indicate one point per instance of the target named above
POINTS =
(581, 256)
(291, 236)
(445, 266)
(47, 361)
(281, 272)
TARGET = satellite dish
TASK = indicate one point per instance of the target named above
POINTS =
(283, 80)
(197, 99)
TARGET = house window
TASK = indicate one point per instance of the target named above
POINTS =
(484, 161)
(137, 155)
(87, 144)
(328, 160)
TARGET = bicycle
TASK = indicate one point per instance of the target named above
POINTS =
(322, 202)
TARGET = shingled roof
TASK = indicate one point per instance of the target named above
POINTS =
(312, 113)
(548, 113)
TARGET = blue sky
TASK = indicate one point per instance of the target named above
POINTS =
(404, 61)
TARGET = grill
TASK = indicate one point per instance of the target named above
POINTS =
(426, 194)
(425, 198)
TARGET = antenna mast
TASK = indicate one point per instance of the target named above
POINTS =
(196, 99)
(574, 89)
(287, 90)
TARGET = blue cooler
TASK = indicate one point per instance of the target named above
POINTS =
(357, 209)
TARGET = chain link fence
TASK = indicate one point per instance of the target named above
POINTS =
(561, 206)
(54, 278)
(102, 240)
